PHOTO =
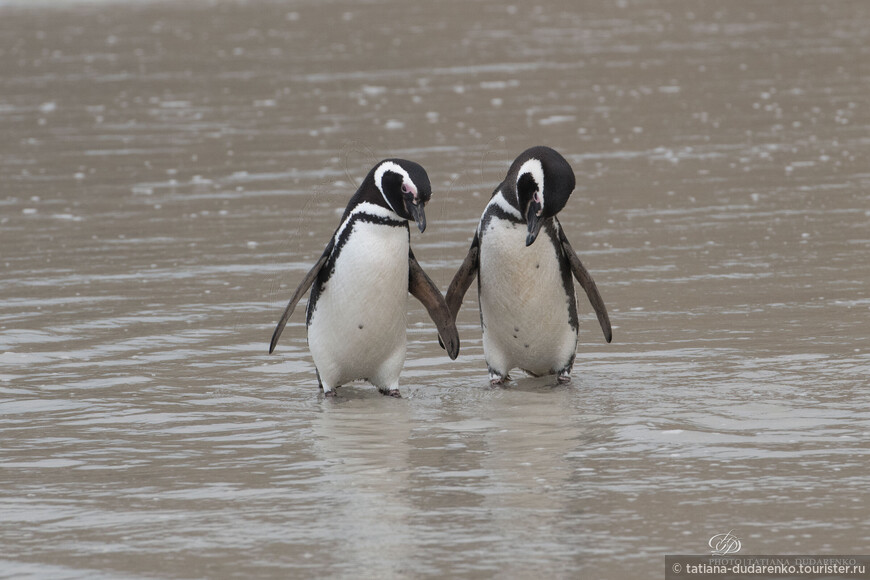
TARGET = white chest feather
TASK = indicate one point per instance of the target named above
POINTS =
(357, 329)
(523, 301)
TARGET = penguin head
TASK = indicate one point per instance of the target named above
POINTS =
(405, 188)
(544, 182)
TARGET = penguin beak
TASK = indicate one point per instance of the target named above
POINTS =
(416, 212)
(534, 221)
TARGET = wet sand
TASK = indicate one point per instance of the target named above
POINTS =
(170, 171)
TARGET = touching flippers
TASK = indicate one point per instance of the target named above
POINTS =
(588, 284)
(463, 278)
(423, 289)
(302, 289)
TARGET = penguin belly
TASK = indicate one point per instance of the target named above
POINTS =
(524, 306)
(358, 327)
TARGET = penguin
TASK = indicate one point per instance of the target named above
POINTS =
(528, 308)
(356, 315)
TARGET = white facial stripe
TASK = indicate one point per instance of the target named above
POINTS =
(499, 200)
(533, 167)
(369, 208)
(395, 168)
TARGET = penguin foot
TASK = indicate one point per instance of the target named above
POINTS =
(565, 374)
(497, 379)
(326, 392)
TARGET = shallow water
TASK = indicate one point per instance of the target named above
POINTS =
(170, 171)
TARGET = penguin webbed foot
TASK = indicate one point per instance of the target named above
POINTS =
(331, 393)
(326, 393)
(564, 374)
(497, 379)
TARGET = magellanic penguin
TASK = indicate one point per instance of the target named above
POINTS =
(528, 309)
(357, 309)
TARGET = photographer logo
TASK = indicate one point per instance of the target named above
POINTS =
(724, 544)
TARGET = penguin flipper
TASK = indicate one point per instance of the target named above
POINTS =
(424, 289)
(463, 278)
(588, 284)
(302, 289)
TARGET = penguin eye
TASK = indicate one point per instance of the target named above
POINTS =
(405, 188)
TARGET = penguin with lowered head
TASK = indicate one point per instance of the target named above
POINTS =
(524, 265)
(356, 315)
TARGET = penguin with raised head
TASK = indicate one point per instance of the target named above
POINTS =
(356, 316)
(528, 309)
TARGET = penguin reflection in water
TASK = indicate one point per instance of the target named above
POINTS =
(357, 309)
(528, 309)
